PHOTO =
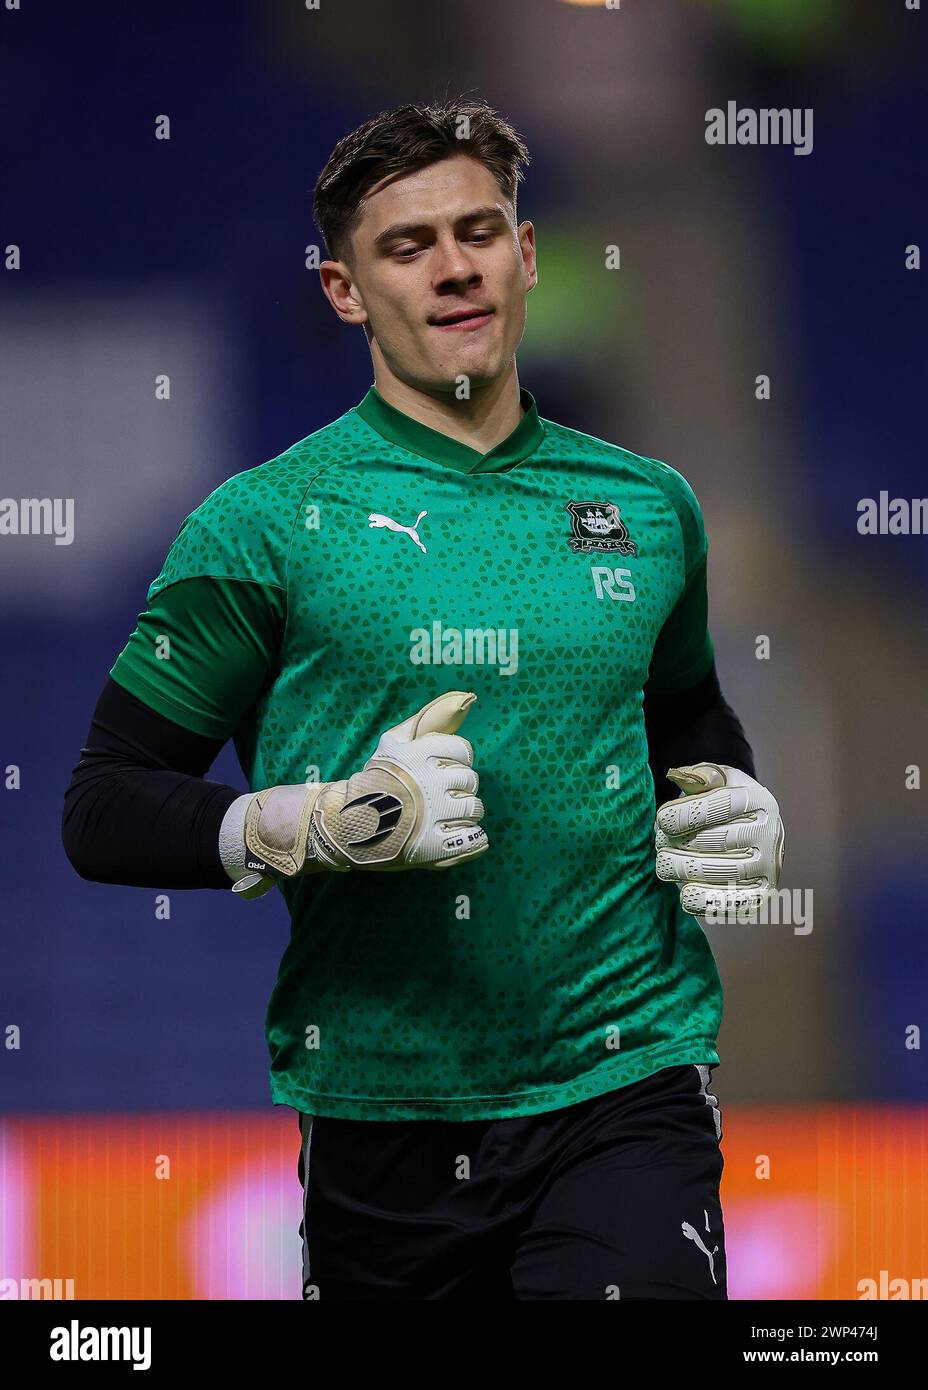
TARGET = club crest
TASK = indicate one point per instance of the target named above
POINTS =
(598, 526)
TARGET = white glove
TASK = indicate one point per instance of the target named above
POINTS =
(722, 840)
(413, 805)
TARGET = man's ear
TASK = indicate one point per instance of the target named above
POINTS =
(529, 254)
(340, 290)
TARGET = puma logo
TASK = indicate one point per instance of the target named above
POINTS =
(375, 519)
(692, 1234)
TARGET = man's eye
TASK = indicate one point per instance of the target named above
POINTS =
(404, 252)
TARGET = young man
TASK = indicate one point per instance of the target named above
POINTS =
(502, 1072)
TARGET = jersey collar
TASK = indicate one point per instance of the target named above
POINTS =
(440, 448)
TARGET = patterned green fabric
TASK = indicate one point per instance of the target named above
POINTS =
(556, 967)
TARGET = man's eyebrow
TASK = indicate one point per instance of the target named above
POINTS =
(410, 229)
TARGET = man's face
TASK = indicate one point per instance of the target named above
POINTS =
(438, 275)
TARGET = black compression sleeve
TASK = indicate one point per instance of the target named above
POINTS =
(138, 810)
(693, 726)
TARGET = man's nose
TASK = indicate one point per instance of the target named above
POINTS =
(454, 265)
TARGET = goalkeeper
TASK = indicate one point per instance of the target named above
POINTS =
(463, 652)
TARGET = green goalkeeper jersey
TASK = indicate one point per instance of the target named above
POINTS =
(315, 601)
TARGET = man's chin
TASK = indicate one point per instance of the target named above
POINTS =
(449, 376)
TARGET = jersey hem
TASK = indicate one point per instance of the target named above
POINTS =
(123, 674)
(607, 1077)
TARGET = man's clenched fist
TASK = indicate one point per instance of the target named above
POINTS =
(722, 840)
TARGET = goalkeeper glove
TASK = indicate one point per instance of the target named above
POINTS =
(721, 840)
(412, 806)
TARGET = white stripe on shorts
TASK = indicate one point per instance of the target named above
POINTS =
(709, 1097)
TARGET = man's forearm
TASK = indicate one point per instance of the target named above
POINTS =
(690, 726)
(138, 810)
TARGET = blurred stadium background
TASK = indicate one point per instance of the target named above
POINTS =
(141, 1037)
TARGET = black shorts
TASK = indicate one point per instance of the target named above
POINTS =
(617, 1197)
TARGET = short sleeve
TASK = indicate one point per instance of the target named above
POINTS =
(203, 650)
(209, 638)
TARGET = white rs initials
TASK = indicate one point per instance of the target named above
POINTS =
(616, 584)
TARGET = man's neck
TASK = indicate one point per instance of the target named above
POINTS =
(482, 422)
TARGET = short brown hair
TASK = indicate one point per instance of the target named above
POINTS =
(402, 140)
